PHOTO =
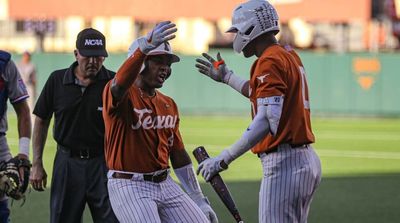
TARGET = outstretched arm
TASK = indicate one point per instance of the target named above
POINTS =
(129, 70)
(218, 71)
(258, 129)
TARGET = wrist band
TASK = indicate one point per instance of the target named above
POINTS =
(24, 145)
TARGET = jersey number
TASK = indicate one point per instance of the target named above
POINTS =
(304, 88)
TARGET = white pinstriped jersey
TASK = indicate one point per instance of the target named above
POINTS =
(292, 172)
(13, 88)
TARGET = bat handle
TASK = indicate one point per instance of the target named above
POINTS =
(217, 183)
(200, 154)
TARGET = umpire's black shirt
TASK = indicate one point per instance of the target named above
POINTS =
(78, 120)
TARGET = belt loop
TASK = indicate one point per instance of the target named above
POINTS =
(110, 174)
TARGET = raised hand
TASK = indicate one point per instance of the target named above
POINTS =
(216, 70)
(162, 32)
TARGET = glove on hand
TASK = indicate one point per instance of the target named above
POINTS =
(216, 70)
(211, 166)
(162, 32)
(205, 207)
(14, 177)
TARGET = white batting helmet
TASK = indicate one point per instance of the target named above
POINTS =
(163, 48)
(250, 20)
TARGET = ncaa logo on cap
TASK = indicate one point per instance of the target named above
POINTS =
(93, 42)
(90, 42)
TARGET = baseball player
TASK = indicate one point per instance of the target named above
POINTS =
(280, 132)
(13, 88)
(142, 134)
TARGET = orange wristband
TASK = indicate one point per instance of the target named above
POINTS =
(216, 64)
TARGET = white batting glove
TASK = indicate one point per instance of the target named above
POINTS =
(216, 70)
(205, 207)
(162, 32)
(212, 166)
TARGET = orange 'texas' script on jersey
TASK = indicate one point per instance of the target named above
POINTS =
(157, 122)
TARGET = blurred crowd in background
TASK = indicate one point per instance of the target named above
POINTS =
(328, 25)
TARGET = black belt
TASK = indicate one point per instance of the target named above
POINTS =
(275, 149)
(156, 178)
(2, 133)
(83, 153)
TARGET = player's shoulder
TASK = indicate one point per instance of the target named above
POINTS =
(280, 54)
(289, 49)
(271, 53)
(165, 98)
(5, 59)
(276, 51)
(5, 56)
(9, 70)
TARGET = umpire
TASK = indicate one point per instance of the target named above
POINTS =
(79, 172)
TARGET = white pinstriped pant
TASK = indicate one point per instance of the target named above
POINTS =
(290, 178)
(142, 201)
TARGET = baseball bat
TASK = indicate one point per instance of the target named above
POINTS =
(219, 185)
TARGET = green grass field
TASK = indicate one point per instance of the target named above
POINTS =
(360, 163)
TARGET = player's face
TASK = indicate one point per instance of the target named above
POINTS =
(249, 50)
(159, 69)
(88, 67)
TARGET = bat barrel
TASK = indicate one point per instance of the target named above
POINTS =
(218, 185)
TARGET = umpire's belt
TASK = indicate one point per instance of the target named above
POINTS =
(275, 149)
(156, 177)
(82, 153)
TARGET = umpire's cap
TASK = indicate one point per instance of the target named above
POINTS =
(91, 43)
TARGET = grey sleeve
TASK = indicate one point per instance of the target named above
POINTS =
(15, 86)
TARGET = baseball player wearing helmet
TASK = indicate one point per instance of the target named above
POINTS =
(280, 132)
(142, 134)
(13, 90)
